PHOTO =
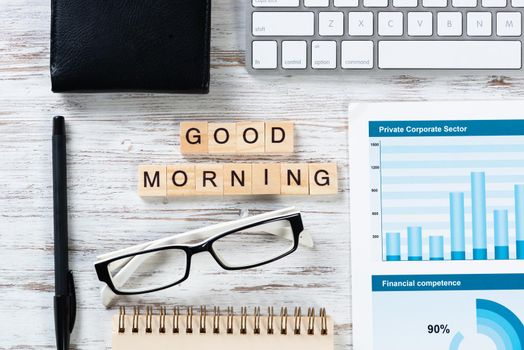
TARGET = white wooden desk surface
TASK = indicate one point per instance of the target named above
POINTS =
(110, 134)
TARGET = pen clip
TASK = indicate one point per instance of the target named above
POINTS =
(72, 301)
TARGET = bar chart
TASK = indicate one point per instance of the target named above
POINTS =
(441, 197)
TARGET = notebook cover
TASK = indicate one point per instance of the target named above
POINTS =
(150, 45)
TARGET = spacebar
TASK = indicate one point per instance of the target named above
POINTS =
(449, 54)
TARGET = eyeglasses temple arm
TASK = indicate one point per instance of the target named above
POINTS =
(206, 232)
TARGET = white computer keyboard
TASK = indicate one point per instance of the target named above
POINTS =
(288, 36)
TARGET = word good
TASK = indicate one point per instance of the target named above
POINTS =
(237, 179)
(243, 137)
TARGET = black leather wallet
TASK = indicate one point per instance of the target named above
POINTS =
(149, 45)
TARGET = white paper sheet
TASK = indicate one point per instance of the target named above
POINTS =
(452, 174)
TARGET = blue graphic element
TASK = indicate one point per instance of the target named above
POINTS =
(456, 211)
(415, 243)
(478, 211)
(436, 248)
(519, 219)
(455, 342)
(405, 283)
(500, 218)
(393, 246)
(500, 324)
(446, 128)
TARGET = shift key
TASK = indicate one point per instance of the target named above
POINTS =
(283, 23)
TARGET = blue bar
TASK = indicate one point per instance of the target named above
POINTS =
(519, 219)
(436, 248)
(478, 210)
(393, 246)
(500, 218)
(458, 235)
(415, 243)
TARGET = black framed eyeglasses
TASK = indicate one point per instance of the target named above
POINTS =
(241, 244)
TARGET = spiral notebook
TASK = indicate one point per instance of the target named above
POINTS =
(212, 329)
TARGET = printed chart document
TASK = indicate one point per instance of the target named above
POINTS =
(437, 225)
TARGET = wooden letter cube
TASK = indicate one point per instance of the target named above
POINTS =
(194, 137)
(323, 178)
(237, 179)
(266, 178)
(209, 179)
(222, 138)
(181, 180)
(294, 178)
(250, 137)
(152, 180)
(280, 137)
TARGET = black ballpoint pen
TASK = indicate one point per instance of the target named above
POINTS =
(64, 301)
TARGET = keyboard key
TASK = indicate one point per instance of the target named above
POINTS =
(346, 3)
(357, 54)
(449, 24)
(390, 23)
(479, 23)
(493, 3)
(294, 54)
(324, 54)
(264, 54)
(434, 3)
(283, 23)
(464, 3)
(420, 23)
(450, 54)
(331, 23)
(375, 3)
(361, 23)
(517, 3)
(509, 24)
(405, 3)
(275, 3)
(316, 3)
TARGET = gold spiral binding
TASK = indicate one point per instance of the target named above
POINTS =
(149, 319)
(162, 322)
(203, 315)
(230, 314)
(176, 317)
(283, 320)
(256, 323)
(323, 322)
(243, 320)
(216, 320)
(298, 320)
(270, 319)
(189, 320)
(136, 313)
(311, 321)
(122, 320)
